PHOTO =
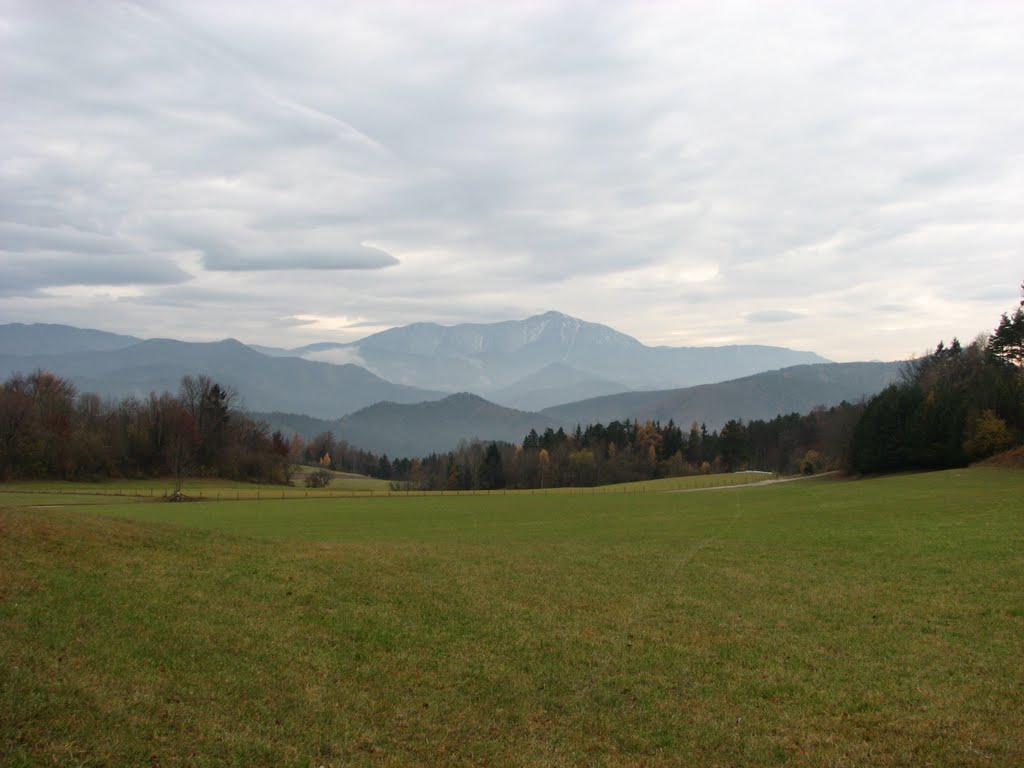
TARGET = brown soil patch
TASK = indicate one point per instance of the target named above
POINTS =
(1013, 458)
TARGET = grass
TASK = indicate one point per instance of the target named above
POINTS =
(342, 485)
(877, 622)
(213, 488)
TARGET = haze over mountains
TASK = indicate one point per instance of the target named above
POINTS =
(393, 391)
(264, 383)
(503, 360)
(434, 427)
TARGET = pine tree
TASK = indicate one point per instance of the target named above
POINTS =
(1007, 341)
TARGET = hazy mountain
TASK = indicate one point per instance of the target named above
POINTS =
(21, 339)
(551, 385)
(273, 351)
(294, 423)
(434, 427)
(537, 362)
(264, 383)
(429, 427)
(761, 396)
(491, 358)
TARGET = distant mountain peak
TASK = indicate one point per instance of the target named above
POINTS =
(544, 360)
(462, 397)
(490, 357)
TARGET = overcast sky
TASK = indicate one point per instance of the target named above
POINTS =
(842, 177)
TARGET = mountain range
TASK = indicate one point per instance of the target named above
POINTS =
(433, 427)
(262, 382)
(503, 360)
(413, 383)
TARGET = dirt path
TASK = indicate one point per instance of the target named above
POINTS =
(772, 481)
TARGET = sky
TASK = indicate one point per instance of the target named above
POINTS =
(840, 177)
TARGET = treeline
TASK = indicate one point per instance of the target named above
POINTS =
(954, 406)
(47, 430)
(619, 452)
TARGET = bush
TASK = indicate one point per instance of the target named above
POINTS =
(319, 479)
(810, 463)
(989, 436)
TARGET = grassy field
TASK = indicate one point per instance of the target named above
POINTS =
(342, 485)
(213, 489)
(876, 622)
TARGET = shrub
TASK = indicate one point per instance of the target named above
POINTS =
(319, 479)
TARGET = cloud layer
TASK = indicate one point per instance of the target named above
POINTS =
(842, 177)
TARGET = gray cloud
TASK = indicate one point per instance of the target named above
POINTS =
(772, 316)
(350, 257)
(342, 356)
(601, 159)
(17, 237)
(21, 274)
(226, 248)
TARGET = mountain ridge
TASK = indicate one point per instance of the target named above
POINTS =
(419, 429)
(759, 396)
(526, 365)
(28, 338)
(407, 430)
(491, 357)
(264, 383)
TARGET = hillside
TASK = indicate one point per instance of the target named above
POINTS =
(264, 383)
(552, 385)
(48, 338)
(434, 427)
(422, 428)
(294, 423)
(761, 396)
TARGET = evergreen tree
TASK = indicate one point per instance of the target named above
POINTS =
(1007, 341)
(733, 444)
(492, 475)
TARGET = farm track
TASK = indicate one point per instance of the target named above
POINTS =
(773, 481)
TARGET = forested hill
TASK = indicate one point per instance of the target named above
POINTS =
(761, 396)
(433, 427)
(423, 428)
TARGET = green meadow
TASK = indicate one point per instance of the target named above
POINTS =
(342, 485)
(821, 622)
